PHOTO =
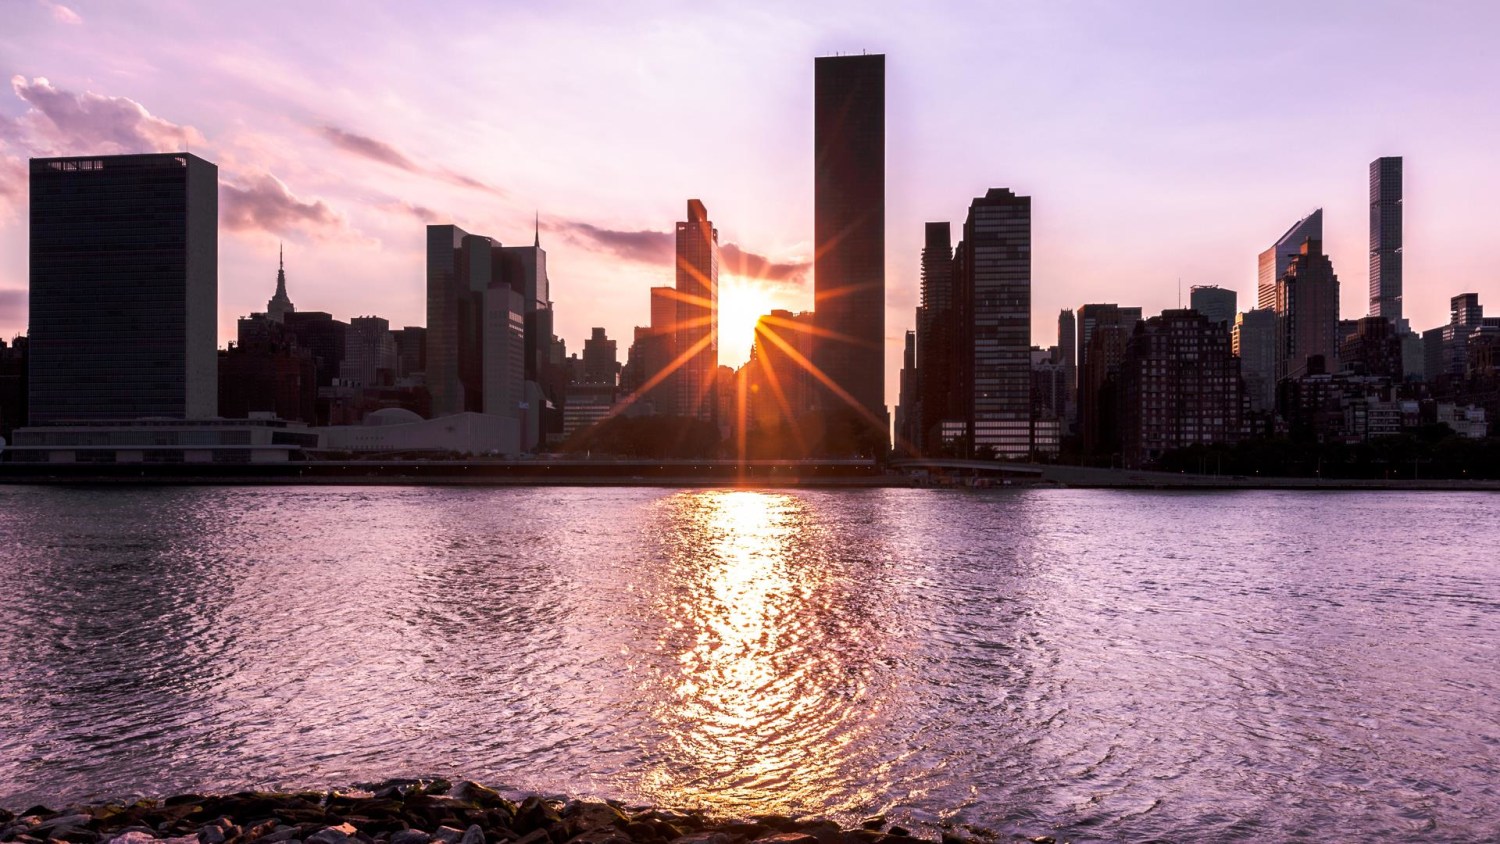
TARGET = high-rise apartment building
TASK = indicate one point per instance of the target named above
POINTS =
(1067, 346)
(1180, 386)
(124, 288)
(1385, 238)
(1274, 261)
(697, 326)
(849, 229)
(996, 288)
(1307, 312)
(369, 353)
(1103, 330)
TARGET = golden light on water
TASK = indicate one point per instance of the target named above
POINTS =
(758, 712)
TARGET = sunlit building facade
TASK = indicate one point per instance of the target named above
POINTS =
(1274, 261)
(697, 326)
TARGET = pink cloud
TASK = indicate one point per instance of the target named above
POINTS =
(378, 150)
(13, 178)
(73, 123)
(653, 247)
(62, 14)
(262, 202)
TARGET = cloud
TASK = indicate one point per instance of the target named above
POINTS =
(653, 247)
(368, 147)
(262, 202)
(736, 261)
(81, 124)
(62, 14)
(399, 206)
(12, 304)
(13, 180)
(378, 150)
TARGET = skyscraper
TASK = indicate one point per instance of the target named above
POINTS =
(280, 304)
(1274, 261)
(476, 327)
(1217, 303)
(938, 354)
(849, 228)
(1254, 339)
(1385, 238)
(601, 359)
(124, 287)
(697, 327)
(1307, 312)
(996, 285)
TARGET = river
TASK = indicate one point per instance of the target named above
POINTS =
(1098, 665)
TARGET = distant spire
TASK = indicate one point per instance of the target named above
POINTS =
(538, 242)
(280, 304)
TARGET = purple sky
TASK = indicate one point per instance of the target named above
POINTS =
(1158, 140)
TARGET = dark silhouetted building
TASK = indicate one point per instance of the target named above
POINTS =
(939, 355)
(411, 354)
(849, 230)
(1307, 312)
(1067, 345)
(1217, 303)
(1275, 261)
(1373, 348)
(12, 386)
(1103, 330)
(1254, 339)
(1180, 386)
(124, 288)
(697, 325)
(369, 353)
(601, 360)
(280, 304)
(1385, 238)
(908, 406)
(995, 289)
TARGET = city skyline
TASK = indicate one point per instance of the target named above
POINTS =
(350, 187)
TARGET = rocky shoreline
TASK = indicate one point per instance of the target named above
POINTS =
(431, 812)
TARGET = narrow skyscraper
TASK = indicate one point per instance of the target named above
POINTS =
(996, 285)
(124, 288)
(697, 326)
(849, 229)
(1385, 238)
(1307, 313)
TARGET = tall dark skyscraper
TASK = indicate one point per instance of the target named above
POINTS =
(697, 326)
(938, 337)
(996, 284)
(1307, 313)
(849, 227)
(1385, 238)
(124, 287)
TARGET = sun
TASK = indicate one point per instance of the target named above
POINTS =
(742, 301)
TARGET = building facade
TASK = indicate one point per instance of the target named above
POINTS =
(124, 288)
(1307, 312)
(1385, 238)
(996, 288)
(1180, 386)
(849, 231)
(697, 323)
(1219, 304)
(1274, 261)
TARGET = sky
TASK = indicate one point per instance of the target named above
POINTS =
(1164, 144)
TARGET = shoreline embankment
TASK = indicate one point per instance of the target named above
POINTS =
(433, 811)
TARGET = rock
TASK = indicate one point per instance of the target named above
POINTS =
(872, 822)
(448, 834)
(826, 831)
(899, 831)
(788, 838)
(536, 836)
(214, 835)
(472, 835)
(332, 835)
(410, 836)
(703, 838)
(47, 828)
(585, 815)
(472, 792)
(285, 833)
(601, 835)
(438, 786)
(134, 837)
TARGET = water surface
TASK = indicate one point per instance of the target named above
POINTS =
(1094, 664)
